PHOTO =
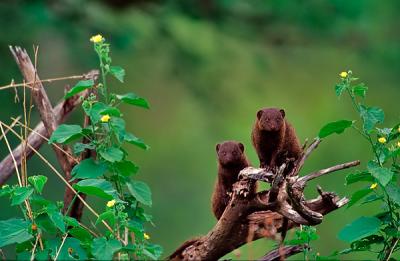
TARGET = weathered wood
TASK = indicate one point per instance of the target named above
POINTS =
(42, 103)
(250, 217)
(61, 112)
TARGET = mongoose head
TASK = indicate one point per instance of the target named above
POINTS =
(271, 119)
(230, 153)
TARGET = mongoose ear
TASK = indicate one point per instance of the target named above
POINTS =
(282, 111)
(241, 146)
(259, 113)
(217, 147)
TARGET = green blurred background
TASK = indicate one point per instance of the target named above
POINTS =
(206, 67)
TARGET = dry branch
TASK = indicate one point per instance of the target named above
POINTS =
(42, 102)
(265, 214)
(61, 111)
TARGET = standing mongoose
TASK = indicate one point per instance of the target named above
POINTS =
(231, 160)
(274, 139)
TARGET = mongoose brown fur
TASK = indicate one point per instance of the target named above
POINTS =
(275, 139)
(231, 160)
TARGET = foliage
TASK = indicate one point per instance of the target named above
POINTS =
(46, 232)
(378, 233)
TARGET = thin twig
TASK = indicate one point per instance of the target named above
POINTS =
(61, 111)
(59, 175)
(299, 163)
(28, 208)
(15, 120)
(34, 247)
(46, 139)
(322, 172)
(61, 246)
(73, 77)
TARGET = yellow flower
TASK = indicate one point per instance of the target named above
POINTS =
(146, 236)
(97, 38)
(398, 144)
(373, 186)
(343, 74)
(111, 203)
(382, 140)
(105, 118)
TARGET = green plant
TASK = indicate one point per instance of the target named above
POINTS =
(45, 232)
(379, 233)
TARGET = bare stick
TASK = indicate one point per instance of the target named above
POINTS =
(299, 164)
(58, 174)
(41, 100)
(61, 111)
(11, 125)
(73, 77)
(322, 172)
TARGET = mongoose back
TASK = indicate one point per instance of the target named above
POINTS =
(231, 160)
(274, 138)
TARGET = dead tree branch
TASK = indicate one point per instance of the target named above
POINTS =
(61, 112)
(250, 217)
(42, 102)
(47, 114)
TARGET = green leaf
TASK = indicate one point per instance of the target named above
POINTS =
(104, 249)
(20, 194)
(153, 251)
(140, 191)
(71, 221)
(360, 90)
(382, 174)
(112, 154)
(111, 111)
(126, 168)
(38, 182)
(66, 133)
(118, 125)
(118, 72)
(56, 217)
(371, 198)
(359, 176)
(365, 243)
(133, 99)
(334, 127)
(359, 228)
(88, 168)
(44, 223)
(106, 216)
(97, 187)
(79, 147)
(371, 116)
(394, 193)
(6, 190)
(79, 87)
(132, 139)
(71, 249)
(136, 225)
(339, 88)
(94, 110)
(14, 231)
(358, 195)
(81, 234)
